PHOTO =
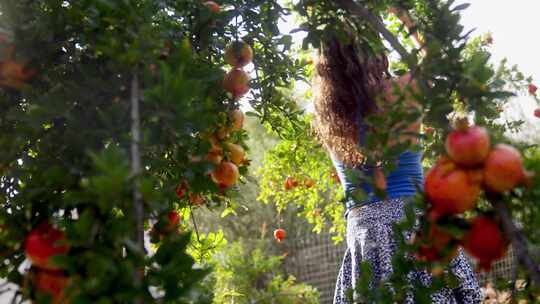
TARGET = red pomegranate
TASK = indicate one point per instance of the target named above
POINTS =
(468, 146)
(309, 182)
(196, 199)
(237, 117)
(238, 54)
(173, 220)
(236, 82)
(226, 174)
(532, 89)
(450, 189)
(14, 75)
(290, 182)
(438, 245)
(485, 242)
(44, 242)
(503, 169)
(52, 283)
(537, 112)
(213, 7)
(181, 189)
(279, 234)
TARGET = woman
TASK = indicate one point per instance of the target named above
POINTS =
(350, 86)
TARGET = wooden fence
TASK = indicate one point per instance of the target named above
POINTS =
(315, 260)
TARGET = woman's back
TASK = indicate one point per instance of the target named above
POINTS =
(403, 181)
(406, 178)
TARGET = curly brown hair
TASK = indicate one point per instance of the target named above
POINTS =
(346, 84)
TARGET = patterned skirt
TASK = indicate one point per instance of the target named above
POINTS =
(370, 238)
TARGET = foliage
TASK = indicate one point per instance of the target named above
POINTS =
(66, 133)
(455, 80)
(304, 160)
(248, 275)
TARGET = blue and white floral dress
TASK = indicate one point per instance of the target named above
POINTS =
(370, 235)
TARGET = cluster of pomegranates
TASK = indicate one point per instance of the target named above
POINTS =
(291, 183)
(46, 277)
(237, 54)
(454, 185)
(227, 156)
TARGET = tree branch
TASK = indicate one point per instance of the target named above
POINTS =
(519, 243)
(138, 205)
(362, 12)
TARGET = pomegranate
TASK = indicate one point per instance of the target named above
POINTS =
(44, 242)
(215, 154)
(238, 54)
(52, 283)
(14, 75)
(226, 174)
(181, 189)
(438, 245)
(173, 219)
(196, 199)
(279, 234)
(485, 242)
(237, 117)
(222, 133)
(236, 82)
(537, 112)
(452, 190)
(503, 169)
(290, 182)
(309, 182)
(237, 154)
(532, 89)
(468, 146)
(213, 7)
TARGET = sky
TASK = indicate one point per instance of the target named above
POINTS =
(514, 26)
